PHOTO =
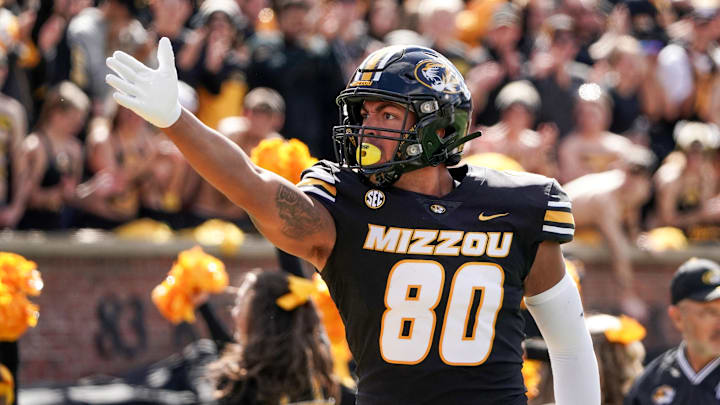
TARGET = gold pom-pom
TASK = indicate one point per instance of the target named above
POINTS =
(18, 279)
(145, 229)
(194, 273)
(664, 238)
(335, 330)
(215, 232)
(629, 331)
(17, 313)
(531, 375)
(7, 384)
(286, 158)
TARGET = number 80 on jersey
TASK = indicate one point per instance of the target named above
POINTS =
(414, 289)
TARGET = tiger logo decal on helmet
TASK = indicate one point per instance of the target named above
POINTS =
(439, 76)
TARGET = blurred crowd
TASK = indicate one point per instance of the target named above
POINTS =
(620, 101)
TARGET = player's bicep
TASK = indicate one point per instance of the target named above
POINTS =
(293, 221)
(547, 269)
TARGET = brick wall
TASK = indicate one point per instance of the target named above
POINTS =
(600, 293)
(73, 341)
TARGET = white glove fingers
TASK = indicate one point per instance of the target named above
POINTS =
(128, 102)
(122, 85)
(122, 70)
(130, 62)
(165, 56)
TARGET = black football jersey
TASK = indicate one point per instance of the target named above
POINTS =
(670, 380)
(430, 287)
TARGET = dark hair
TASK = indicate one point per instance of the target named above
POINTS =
(618, 367)
(286, 354)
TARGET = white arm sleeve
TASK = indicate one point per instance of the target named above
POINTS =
(559, 316)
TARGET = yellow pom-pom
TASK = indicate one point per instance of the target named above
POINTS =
(629, 331)
(214, 232)
(195, 272)
(7, 384)
(295, 157)
(18, 279)
(286, 158)
(145, 229)
(18, 273)
(201, 271)
(531, 375)
(335, 330)
(173, 303)
(328, 313)
(17, 314)
(265, 154)
(665, 238)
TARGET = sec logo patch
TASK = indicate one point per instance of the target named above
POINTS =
(374, 199)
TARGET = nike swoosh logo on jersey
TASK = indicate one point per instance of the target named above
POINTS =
(482, 216)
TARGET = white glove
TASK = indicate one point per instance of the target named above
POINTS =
(151, 94)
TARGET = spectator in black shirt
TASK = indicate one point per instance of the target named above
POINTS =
(302, 68)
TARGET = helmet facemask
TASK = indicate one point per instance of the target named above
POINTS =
(353, 151)
(417, 147)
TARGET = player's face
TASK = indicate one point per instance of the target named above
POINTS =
(699, 323)
(384, 114)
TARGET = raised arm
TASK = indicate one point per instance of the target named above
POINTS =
(289, 218)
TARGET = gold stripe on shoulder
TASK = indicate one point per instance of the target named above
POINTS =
(559, 216)
(317, 182)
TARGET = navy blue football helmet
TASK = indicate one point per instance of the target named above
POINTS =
(428, 85)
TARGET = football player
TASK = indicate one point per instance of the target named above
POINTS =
(690, 372)
(427, 264)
